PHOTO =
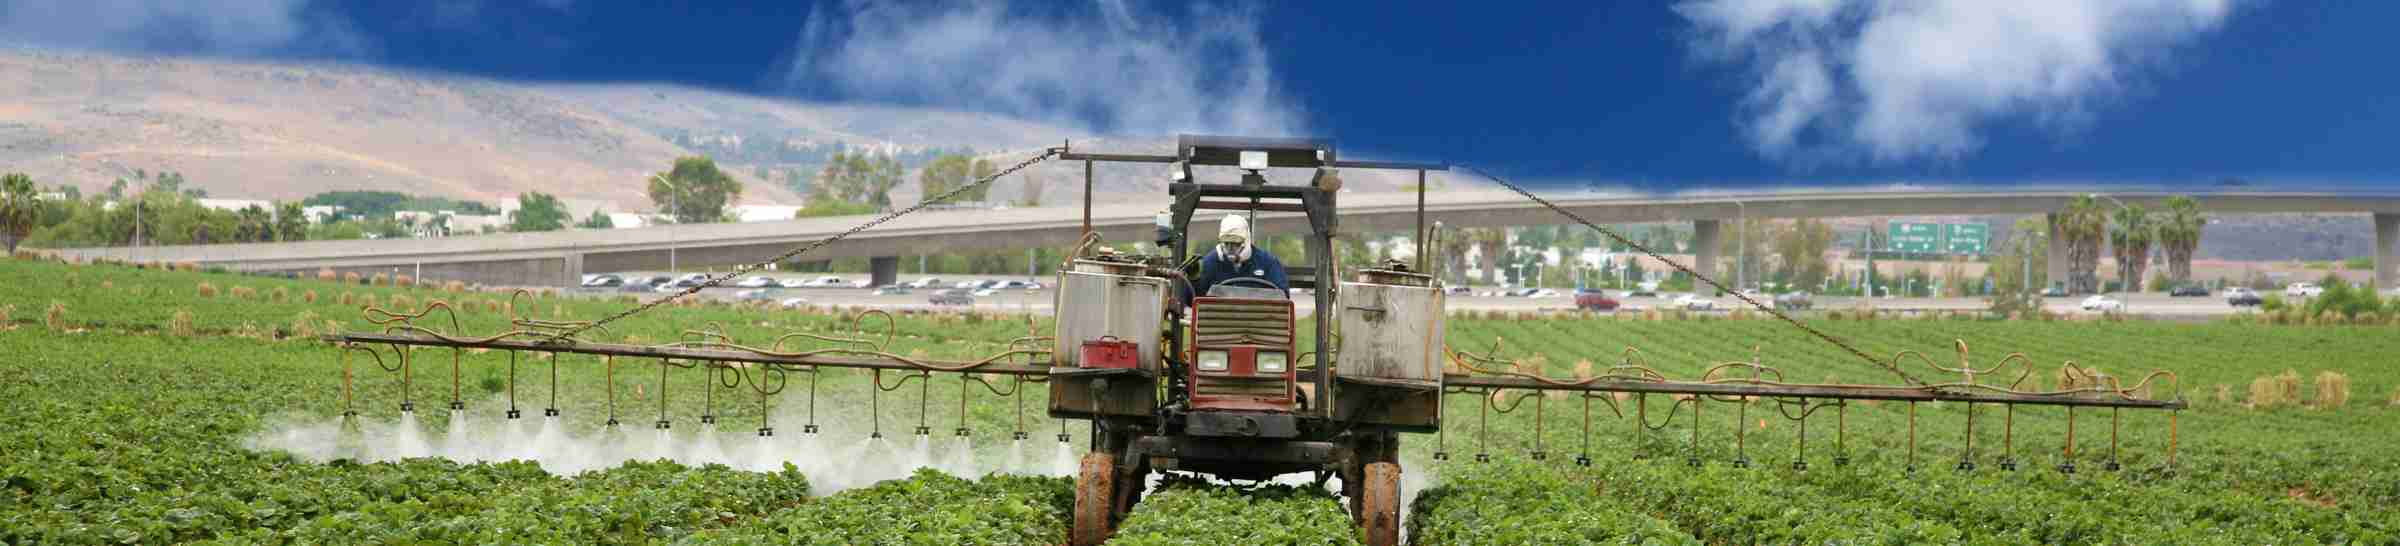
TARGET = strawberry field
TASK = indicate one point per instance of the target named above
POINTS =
(169, 407)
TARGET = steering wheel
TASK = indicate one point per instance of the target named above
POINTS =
(1253, 282)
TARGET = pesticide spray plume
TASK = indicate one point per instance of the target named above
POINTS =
(842, 454)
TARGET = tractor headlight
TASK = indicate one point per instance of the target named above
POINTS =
(1273, 361)
(1212, 361)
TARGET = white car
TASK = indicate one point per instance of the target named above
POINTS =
(760, 281)
(964, 285)
(2303, 290)
(1694, 302)
(1543, 293)
(828, 281)
(794, 283)
(2104, 304)
(754, 294)
(927, 282)
(794, 303)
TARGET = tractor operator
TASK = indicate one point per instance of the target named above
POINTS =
(1236, 257)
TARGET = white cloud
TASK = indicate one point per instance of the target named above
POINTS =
(1110, 67)
(217, 27)
(1907, 79)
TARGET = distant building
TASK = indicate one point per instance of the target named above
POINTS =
(234, 204)
(763, 213)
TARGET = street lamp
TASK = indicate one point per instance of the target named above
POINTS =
(674, 206)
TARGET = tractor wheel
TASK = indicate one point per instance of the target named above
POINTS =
(1381, 499)
(1094, 487)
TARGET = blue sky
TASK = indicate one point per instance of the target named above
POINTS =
(1655, 95)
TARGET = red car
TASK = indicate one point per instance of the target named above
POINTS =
(1594, 300)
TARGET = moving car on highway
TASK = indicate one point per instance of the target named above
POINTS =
(1693, 302)
(2104, 304)
(950, 296)
(2300, 290)
(2243, 297)
(925, 282)
(2188, 291)
(603, 281)
(1794, 301)
(757, 281)
(1594, 299)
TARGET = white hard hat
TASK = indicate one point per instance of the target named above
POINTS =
(1233, 229)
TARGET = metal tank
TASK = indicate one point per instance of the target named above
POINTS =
(1098, 299)
(1391, 327)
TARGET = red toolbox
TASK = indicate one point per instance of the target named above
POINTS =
(1110, 352)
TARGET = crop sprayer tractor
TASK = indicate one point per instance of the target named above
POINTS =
(1227, 387)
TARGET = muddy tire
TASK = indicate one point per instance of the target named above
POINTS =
(1094, 487)
(1380, 522)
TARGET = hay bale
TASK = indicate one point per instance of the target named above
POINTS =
(350, 278)
(207, 290)
(454, 286)
(56, 317)
(2264, 394)
(2224, 394)
(2333, 390)
(404, 281)
(1583, 369)
(309, 296)
(2288, 383)
(345, 299)
(6, 314)
(326, 274)
(2395, 401)
(403, 303)
(181, 324)
(244, 293)
(187, 267)
(280, 295)
(379, 280)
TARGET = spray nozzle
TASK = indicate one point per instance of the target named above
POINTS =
(612, 422)
(457, 405)
(708, 419)
(809, 429)
(766, 432)
(408, 407)
(1019, 435)
(665, 424)
(513, 413)
(961, 432)
(550, 412)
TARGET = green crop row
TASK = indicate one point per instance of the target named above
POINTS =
(1193, 512)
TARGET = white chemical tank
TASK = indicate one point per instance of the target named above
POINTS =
(1099, 299)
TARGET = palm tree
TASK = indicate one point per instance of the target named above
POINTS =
(2129, 239)
(19, 206)
(2081, 227)
(2179, 232)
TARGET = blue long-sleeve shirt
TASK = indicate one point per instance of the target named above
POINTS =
(1215, 269)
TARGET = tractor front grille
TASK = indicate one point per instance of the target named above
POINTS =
(1269, 387)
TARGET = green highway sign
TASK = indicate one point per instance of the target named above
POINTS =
(1965, 238)
(1915, 237)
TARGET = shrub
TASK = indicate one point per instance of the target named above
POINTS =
(309, 296)
(327, 274)
(2264, 394)
(403, 303)
(367, 302)
(403, 281)
(244, 292)
(306, 326)
(350, 278)
(454, 286)
(2333, 390)
(6, 314)
(280, 295)
(208, 290)
(492, 306)
(56, 317)
(2224, 394)
(181, 325)
(378, 280)
(345, 299)
(187, 267)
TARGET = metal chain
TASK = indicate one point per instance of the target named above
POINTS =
(804, 249)
(1862, 355)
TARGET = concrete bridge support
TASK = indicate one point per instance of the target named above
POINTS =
(883, 270)
(1707, 238)
(2387, 263)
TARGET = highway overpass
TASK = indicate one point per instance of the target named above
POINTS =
(561, 257)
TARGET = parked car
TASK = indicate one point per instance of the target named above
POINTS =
(924, 282)
(1459, 291)
(894, 290)
(950, 296)
(757, 281)
(688, 281)
(1642, 293)
(966, 285)
(1694, 302)
(603, 281)
(2300, 290)
(2054, 292)
(1013, 285)
(2188, 291)
(2104, 304)
(793, 283)
(828, 281)
(985, 292)
(1542, 293)
(1593, 299)
(1752, 293)
(1794, 301)
(794, 303)
(644, 284)
(2243, 297)
(754, 294)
